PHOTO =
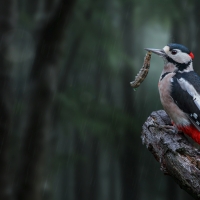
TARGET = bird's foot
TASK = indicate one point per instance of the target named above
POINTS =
(167, 128)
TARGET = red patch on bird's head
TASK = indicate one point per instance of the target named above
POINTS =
(191, 55)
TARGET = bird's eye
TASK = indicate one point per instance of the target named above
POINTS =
(174, 52)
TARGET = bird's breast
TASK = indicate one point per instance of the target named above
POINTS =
(175, 113)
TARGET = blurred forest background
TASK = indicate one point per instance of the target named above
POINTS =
(70, 123)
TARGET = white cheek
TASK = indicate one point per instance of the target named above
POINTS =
(181, 57)
(166, 49)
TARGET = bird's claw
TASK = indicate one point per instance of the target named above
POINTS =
(168, 128)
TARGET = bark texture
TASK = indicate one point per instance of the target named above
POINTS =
(177, 156)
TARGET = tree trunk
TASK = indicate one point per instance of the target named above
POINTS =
(43, 79)
(79, 175)
(177, 156)
(69, 64)
(130, 189)
(93, 194)
(7, 24)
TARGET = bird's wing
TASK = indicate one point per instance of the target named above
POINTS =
(186, 94)
(194, 122)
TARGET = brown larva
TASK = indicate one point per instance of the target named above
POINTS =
(143, 71)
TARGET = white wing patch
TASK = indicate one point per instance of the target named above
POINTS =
(185, 85)
(195, 115)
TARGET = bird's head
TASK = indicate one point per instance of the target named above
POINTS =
(176, 54)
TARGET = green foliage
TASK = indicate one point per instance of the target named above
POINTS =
(101, 40)
(104, 121)
(66, 160)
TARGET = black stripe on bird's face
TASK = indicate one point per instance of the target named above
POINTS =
(180, 66)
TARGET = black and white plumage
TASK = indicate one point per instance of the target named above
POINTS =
(179, 88)
(185, 93)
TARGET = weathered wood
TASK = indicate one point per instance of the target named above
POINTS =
(177, 156)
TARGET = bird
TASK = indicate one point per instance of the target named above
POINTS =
(179, 88)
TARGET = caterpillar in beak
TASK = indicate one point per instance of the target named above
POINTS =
(143, 71)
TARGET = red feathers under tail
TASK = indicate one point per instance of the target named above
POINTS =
(191, 131)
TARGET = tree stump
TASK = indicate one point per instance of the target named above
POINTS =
(177, 156)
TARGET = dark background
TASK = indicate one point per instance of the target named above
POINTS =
(70, 124)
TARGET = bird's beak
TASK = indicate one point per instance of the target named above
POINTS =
(159, 52)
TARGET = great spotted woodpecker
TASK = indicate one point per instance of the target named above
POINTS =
(179, 88)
